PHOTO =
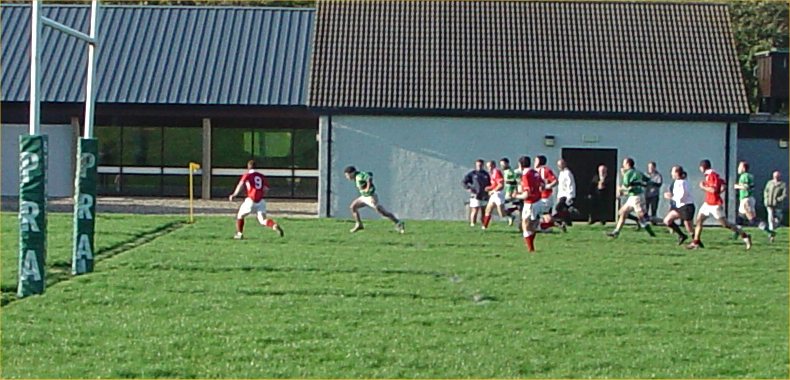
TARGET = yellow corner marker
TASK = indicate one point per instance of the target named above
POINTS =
(193, 166)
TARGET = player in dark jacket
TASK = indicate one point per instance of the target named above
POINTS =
(475, 183)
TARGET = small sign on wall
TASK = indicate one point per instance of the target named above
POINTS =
(782, 143)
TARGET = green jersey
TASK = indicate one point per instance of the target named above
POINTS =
(634, 181)
(746, 179)
(362, 182)
(511, 181)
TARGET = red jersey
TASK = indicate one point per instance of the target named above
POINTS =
(497, 180)
(548, 177)
(532, 184)
(712, 179)
(256, 185)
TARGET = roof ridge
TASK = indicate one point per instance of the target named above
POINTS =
(192, 7)
(618, 2)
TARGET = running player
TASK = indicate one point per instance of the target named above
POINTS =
(511, 185)
(745, 187)
(530, 189)
(566, 194)
(550, 181)
(367, 197)
(633, 185)
(496, 196)
(714, 185)
(682, 204)
(256, 185)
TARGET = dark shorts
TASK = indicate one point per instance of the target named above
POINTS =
(686, 211)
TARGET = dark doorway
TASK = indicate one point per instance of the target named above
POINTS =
(584, 163)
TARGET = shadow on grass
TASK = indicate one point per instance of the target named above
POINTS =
(61, 271)
(266, 268)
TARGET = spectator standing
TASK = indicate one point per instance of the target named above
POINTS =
(653, 190)
(774, 196)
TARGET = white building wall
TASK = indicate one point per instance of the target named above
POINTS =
(418, 162)
(60, 163)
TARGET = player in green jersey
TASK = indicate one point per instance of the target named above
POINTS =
(511, 186)
(633, 185)
(367, 197)
(745, 187)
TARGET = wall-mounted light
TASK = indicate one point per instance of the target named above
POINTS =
(548, 140)
(782, 143)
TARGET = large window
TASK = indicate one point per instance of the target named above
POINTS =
(153, 160)
(142, 146)
(182, 146)
(288, 157)
(147, 160)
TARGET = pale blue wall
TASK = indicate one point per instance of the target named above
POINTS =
(60, 166)
(418, 162)
(764, 156)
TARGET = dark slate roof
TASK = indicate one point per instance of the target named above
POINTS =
(585, 58)
(166, 55)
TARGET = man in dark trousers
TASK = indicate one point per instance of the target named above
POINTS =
(601, 195)
(475, 183)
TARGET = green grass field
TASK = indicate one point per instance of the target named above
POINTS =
(443, 300)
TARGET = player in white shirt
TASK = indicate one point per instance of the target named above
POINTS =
(566, 194)
(682, 204)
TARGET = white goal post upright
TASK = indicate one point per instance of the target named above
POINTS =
(87, 162)
(32, 179)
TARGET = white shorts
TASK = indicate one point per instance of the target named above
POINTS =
(636, 203)
(371, 201)
(746, 206)
(497, 198)
(475, 203)
(249, 206)
(547, 204)
(713, 211)
(532, 211)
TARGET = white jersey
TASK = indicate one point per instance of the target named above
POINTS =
(566, 185)
(681, 194)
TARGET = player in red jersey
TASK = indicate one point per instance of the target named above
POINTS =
(530, 189)
(550, 182)
(714, 185)
(496, 197)
(256, 186)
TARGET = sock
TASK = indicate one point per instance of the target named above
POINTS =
(531, 242)
(239, 225)
(486, 220)
(762, 225)
(546, 225)
(674, 227)
(269, 223)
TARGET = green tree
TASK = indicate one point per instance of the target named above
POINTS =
(757, 26)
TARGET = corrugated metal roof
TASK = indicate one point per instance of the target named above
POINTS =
(530, 57)
(166, 55)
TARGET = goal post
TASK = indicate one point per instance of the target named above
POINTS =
(86, 175)
(33, 166)
(32, 214)
(85, 206)
(33, 179)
